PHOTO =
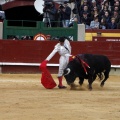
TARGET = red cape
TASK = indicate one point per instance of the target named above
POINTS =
(46, 79)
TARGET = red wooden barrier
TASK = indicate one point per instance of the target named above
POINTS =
(14, 51)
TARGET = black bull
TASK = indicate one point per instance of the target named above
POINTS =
(87, 66)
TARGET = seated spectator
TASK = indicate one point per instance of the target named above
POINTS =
(116, 8)
(86, 20)
(85, 9)
(116, 3)
(95, 13)
(94, 3)
(103, 10)
(116, 16)
(107, 17)
(103, 24)
(107, 3)
(85, 3)
(112, 24)
(95, 23)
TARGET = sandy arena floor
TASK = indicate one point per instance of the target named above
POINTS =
(22, 97)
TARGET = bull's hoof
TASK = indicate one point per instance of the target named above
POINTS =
(72, 87)
(102, 84)
(89, 87)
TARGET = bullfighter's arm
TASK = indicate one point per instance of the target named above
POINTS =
(52, 53)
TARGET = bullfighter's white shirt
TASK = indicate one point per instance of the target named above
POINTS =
(64, 51)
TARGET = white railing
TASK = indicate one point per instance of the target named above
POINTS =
(38, 64)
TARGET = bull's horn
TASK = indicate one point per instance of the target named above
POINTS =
(68, 71)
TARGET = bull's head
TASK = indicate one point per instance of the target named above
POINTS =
(69, 75)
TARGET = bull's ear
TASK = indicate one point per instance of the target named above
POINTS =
(66, 71)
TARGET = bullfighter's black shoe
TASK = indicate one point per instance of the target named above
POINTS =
(61, 87)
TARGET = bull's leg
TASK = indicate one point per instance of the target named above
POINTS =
(81, 80)
(90, 81)
(100, 75)
(94, 76)
(90, 84)
(106, 74)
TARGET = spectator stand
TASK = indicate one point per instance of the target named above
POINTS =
(31, 28)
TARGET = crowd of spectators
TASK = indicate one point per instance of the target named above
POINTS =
(99, 14)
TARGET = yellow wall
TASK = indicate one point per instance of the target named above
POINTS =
(88, 36)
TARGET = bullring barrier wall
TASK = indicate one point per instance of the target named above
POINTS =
(25, 56)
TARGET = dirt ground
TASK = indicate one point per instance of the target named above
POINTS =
(22, 97)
